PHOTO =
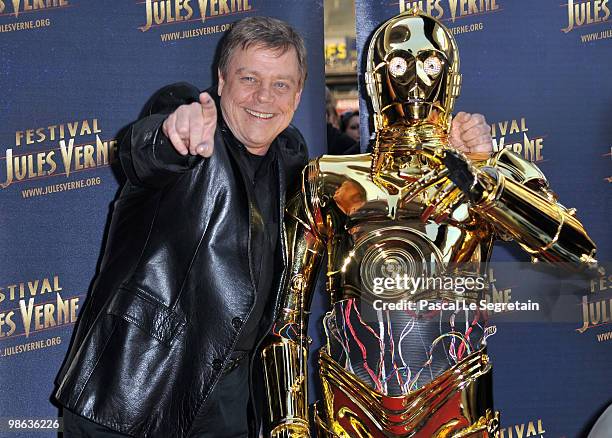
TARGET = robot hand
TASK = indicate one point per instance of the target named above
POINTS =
(463, 175)
(457, 181)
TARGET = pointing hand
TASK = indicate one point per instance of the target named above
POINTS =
(191, 128)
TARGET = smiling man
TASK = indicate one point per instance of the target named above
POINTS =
(188, 284)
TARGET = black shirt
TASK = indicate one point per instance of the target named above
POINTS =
(261, 173)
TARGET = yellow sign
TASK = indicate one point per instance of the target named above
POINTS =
(451, 8)
(161, 12)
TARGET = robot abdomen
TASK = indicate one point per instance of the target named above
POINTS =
(379, 329)
(396, 352)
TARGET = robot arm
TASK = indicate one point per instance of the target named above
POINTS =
(513, 195)
(285, 351)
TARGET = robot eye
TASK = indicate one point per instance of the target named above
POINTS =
(398, 66)
(432, 65)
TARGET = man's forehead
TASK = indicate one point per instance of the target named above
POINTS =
(259, 57)
(258, 70)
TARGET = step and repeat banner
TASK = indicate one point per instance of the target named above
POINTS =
(540, 71)
(74, 74)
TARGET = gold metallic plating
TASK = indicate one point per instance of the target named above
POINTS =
(357, 210)
(287, 388)
(413, 39)
(458, 397)
(346, 213)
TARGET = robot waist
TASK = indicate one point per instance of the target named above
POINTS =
(457, 403)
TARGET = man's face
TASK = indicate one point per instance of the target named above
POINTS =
(259, 94)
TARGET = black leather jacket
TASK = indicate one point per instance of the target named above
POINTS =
(175, 283)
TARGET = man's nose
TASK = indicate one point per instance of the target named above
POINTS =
(264, 93)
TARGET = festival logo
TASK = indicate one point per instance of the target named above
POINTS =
(587, 14)
(531, 429)
(514, 134)
(452, 10)
(499, 300)
(341, 54)
(596, 306)
(61, 149)
(31, 307)
(496, 293)
(20, 15)
(161, 13)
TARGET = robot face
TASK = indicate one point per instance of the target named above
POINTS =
(416, 78)
(413, 67)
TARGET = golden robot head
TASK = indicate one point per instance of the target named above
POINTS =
(412, 70)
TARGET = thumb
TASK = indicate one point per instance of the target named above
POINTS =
(209, 109)
(205, 149)
(455, 131)
(209, 115)
(205, 99)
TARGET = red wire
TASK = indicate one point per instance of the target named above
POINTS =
(361, 346)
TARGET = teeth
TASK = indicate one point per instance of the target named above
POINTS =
(260, 115)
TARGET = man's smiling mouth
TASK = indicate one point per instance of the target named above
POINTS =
(259, 115)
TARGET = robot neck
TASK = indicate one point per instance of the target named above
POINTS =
(405, 138)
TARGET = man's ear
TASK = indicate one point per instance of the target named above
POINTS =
(221, 82)
(298, 96)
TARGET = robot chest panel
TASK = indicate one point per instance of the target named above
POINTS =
(371, 252)
(349, 192)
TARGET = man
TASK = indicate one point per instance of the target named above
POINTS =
(184, 287)
(337, 142)
(188, 284)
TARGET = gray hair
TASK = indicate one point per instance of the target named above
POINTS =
(266, 32)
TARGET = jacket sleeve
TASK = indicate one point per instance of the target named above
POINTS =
(285, 351)
(147, 155)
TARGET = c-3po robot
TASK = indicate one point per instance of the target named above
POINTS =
(413, 208)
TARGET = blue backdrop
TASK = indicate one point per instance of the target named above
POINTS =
(74, 73)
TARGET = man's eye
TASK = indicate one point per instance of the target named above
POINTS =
(281, 85)
(248, 79)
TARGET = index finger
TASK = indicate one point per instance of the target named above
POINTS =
(206, 101)
(209, 116)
